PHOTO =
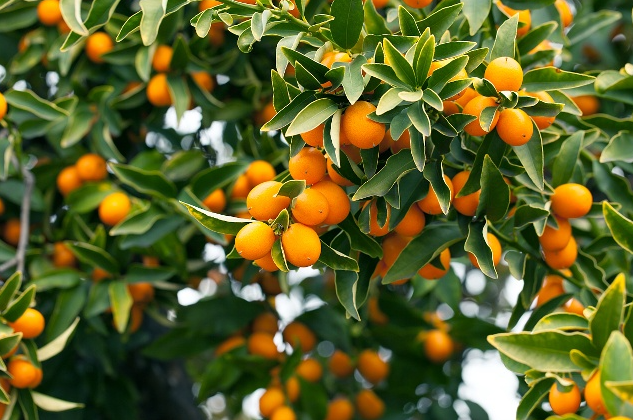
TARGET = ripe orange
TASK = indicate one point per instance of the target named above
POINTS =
(271, 400)
(335, 177)
(564, 258)
(524, 17)
(265, 114)
(564, 402)
(413, 222)
(284, 412)
(62, 256)
(262, 344)
(469, 93)
(68, 180)
(99, 274)
(593, 394)
(158, 91)
(314, 137)
(216, 201)
(263, 203)
(267, 263)
(309, 165)
(136, 318)
(450, 108)
(49, 13)
(438, 346)
(162, 58)
(430, 272)
(340, 409)
(376, 315)
(541, 122)
(588, 104)
(266, 322)
(403, 142)
(505, 73)
(359, 129)
(392, 246)
(114, 208)
(574, 306)
(302, 246)
(380, 4)
(475, 107)
(551, 288)
(149, 261)
(1, 207)
(571, 201)
(310, 370)
(351, 151)
(260, 171)
(372, 367)
(91, 167)
(495, 246)
(340, 364)
(3, 106)
(369, 405)
(24, 374)
(417, 4)
(30, 323)
(204, 80)
(98, 44)
(566, 17)
(241, 187)
(337, 200)
(207, 4)
(293, 388)
(254, 241)
(430, 204)
(375, 228)
(142, 292)
(514, 127)
(334, 57)
(229, 344)
(297, 333)
(556, 239)
(310, 208)
(466, 205)
(11, 232)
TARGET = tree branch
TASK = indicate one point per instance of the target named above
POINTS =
(25, 212)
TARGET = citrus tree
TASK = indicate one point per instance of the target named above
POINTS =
(161, 147)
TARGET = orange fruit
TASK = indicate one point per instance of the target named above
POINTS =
(525, 18)
(359, 129)
(376, 315)
(438, 346)
(293, 388)
(49, 13)
(340, 409)
(62, 256)
(11, 232)
(91, 167)
(468, 94)
(1, 207)
(459, 76)
(495, 246)
(351, 152)
(450, 107)
(30, 323)
(413, 222)
(265, 114)
(308, 165)
(23, 373)
(142, 292)
(284, 412)
(551, 288)
(430, 272)
(566, 17)
(158, 91)
(99, 274)
(369, 405)
(68, 180)
(466, 205)
(571, 201)
(254, 241)
(216, 201)
(269, 284)
(3, 106)
(310, 370)
(262, 344)
(334, 57)
(310, 208)
(375, 228)
(301, 245)
(541, 122)
(98, 44)
(514, 127)
(430, 204)
(162, 58)
(593, 395)
(337, 200)
(204, 80)
(271, 400)
(588, 104)
(297, 333)
(114, 208)
(314, 137)
(260, 171)
(564, 402)
(267, 263)
(392, 246)
(241, 187)
(229, 344)
(372, 367)
(207, 4)
(335, 177)
(574, 306)
(149, 261)
(556, 239)
(380, 4)
(564, 258)
(403, 142)
(263, 203)
(266, 322)
(136, 318)
(505, 73)
(340, 364)
(475, 108)
(417, 4)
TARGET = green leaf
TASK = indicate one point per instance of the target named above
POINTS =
(137, 273)
(476, 13)
(149, 182)
(287, 114)
(441, 76)
(9, 288)
(419, 118)
(121, 302)
(396, 166)
(138, 222)
(385, 73)
(618, 149)
(434, 173)
(210, 179)
(477, 244)
(93, 256)
(588, 24)
(28, 101)
(216, 222)
(440, 20)
(495, 194)
(346, 283)
(537, 35)
(533, 397)
(491, 146)
(616, 365)
(358, 240)
(51, 404)
(348, 22)
(505, 41)
(609, 313)
(422, 59)
(180, 93)
(88, 197)
(374, 22)
(566, 159)
(561, 321)
(68, 305)
(531, 157)
(399, 64)
(56, 346)
(529, 214)
(544, 350)
(423, 249)
(292, 188)
(153, 14)
(56, 279)
(353, 82)
(550, 78)
(389, 100)
(19, 305)
(621, 227)
(337, 260)
(279, 257)
(311, 116)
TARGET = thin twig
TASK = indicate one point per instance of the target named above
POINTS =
(25, 212)
(8, 264)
